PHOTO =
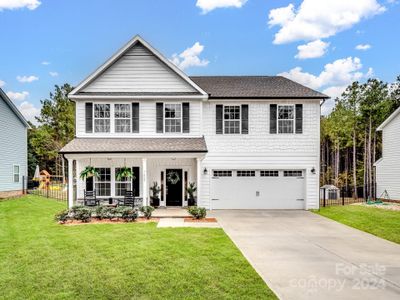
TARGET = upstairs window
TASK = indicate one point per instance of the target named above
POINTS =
(122, 116)
(232, 119)
(102, 118)
(173, 117)
(285, 119)
(16, 173)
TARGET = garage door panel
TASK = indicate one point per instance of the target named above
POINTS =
(257, 192)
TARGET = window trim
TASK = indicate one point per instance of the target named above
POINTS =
(129, 181)
(293, 120)
(129, 118)
(19, 173)
(164, 118)
(240, 118)
(111, 118)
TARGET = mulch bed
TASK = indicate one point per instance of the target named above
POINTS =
(107, 221)
(205, 220)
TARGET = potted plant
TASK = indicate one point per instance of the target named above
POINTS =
(190, 190)
(89, 171)
(125, 172)
(155, 191)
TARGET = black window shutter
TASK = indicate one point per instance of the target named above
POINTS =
(299, 118)
(136, 181)
(89, 117)
(135, 117)
(89, 183)
(160, 117)
(186, 117)
(272, 118)
(245, 118)
(219, 118)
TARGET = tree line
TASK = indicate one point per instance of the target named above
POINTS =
(350, 144)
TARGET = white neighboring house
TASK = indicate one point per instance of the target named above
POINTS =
(388, 166)
(248, 142)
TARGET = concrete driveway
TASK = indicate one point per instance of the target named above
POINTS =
(301, 255)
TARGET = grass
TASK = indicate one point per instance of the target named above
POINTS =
(40, 259)
(380, 222)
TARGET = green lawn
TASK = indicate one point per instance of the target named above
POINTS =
(40, 259)
(380, 222)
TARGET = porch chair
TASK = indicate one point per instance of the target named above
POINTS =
(90, 198)
(129, 199)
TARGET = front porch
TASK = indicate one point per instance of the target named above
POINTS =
(148, 170)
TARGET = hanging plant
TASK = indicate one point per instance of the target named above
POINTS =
(125, 172)
(173, 177)
(88, 172)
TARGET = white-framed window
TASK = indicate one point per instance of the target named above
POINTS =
(245, 173)
(102, 116)
(122, 185)
(232, 119)
(286, 118)
(16, 173)
(173, 117)
(122, 117)
(222, 173)
(293, 173)
(103, 182)
(269, 173)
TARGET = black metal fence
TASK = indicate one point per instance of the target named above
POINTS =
(342, 196)
(56, 189)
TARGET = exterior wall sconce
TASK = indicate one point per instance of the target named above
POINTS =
(205, 171)
(313, 170)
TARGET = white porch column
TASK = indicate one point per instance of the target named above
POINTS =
(145, 186)
(198, 179)
(70, 183)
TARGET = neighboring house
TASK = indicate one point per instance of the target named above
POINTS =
(249, 142)
(388, 167)
(13, 148)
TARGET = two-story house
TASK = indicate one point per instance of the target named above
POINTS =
(248, 142)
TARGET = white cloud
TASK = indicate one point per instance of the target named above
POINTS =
(190, 57)
(333, 80)
(316, 19)
(53, 74)
(17, 96)
(363, 47)
(2, 83)
(29, 111)
(312, 50)
(209, 5)
(15, 4)
(45, 63)
(25, 79)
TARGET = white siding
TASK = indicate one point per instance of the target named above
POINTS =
(147, 120)
(261, 150)
(388, 169)
(138, 70)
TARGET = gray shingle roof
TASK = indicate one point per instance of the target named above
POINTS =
(134, 145)
(254, 87)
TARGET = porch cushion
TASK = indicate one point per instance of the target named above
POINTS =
(135, 145)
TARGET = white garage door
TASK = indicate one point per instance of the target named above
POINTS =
(257, 189)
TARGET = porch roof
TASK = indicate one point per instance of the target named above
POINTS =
(135, 145)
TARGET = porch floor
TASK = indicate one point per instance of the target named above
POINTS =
(170, 212)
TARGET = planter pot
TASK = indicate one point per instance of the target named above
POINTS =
(155, 202)
(191, 202)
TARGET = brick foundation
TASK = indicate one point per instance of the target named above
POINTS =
(9, 194)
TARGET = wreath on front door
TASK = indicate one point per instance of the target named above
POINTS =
(173, 177)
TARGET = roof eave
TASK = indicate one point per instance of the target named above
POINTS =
(16, 111)
(388, 120)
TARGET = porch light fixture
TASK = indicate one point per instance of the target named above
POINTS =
(205, 171)
(313, 170)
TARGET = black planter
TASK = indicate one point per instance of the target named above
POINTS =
(155, 202)
(191, 202)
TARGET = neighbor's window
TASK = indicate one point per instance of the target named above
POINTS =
(246, 173)
(232, 119)
(293, 173)
(269, 173)
(103, 182)
(173, 117)
(285, 118)
(122, 185)
(222, 173)
(122, 115)
(102, 118)
(16, 173)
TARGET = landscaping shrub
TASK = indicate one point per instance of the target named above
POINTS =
(62, 216)
(197, 212)
(129, 214)
(105, 212)
(83, 214)
(147, 211)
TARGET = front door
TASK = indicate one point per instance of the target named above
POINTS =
(174, 186)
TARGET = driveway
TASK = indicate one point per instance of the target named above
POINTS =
(301, 255)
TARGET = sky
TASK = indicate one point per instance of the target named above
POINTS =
(324, 45)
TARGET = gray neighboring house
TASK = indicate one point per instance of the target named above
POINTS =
(13, 148)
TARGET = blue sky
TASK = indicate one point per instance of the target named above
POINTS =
(52, 42)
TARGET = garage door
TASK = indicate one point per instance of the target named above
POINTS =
(257, 189)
